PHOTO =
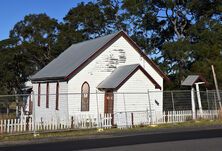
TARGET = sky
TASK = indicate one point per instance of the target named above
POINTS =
(12, 11)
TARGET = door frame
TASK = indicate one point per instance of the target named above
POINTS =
(106, 110)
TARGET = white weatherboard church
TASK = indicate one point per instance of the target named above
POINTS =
(90, 77)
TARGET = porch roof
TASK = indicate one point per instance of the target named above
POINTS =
(120, 75)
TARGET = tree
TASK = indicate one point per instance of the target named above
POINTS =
(66, 37)
(36, 36)
(29, 48)
(165, 30)
(183, 37)
(11, 67)
(185, 55)
(94, 19)
(207, 48)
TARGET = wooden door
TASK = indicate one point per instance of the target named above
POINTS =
(108, 104)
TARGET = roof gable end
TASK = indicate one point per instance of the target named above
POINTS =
(132, 43)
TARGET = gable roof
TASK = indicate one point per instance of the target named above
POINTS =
(71, 59)
(77, 56)
(192, 79)
(120, 75)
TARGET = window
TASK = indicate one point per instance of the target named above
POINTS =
(47, 95)
(39, 94)
(57, 96)
(85, 97)
(30, 103)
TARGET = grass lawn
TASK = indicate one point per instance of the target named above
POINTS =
(95, 132)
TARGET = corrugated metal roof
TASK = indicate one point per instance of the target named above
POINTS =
(117, 77)
(192, 79)
(71, 58)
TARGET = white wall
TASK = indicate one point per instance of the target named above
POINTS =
(126, 98)
(51, 112)
(118, 54)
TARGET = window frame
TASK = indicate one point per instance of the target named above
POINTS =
(82, 99)
(47, 95)
(39, 94)
(57, 96)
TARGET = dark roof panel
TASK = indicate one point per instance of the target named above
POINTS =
(71, 58)
(117, 77)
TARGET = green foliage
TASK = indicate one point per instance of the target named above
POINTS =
(36, 35)
(207, 49)
(11, 67)
(182, 37)
(93, 19)
(29, 48)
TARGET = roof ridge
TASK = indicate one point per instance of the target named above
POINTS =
(97, 37)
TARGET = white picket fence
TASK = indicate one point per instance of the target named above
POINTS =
(176, 116)
(15, 125)
(91, 121)
(128, 119)
(182, 116)
(86, 121)
(139, 118)
(208, 114)
(26, 124)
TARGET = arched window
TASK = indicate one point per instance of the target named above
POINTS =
(85, 90)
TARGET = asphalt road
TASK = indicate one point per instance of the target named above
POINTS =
(209, 144)
(204, 140)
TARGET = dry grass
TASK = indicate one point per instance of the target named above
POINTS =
(9, 116)
(92, 132)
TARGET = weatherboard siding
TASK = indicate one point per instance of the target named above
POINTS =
(127, 100)
(118, 54)
(43, 113)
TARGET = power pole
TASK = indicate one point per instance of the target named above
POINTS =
(216, 85)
